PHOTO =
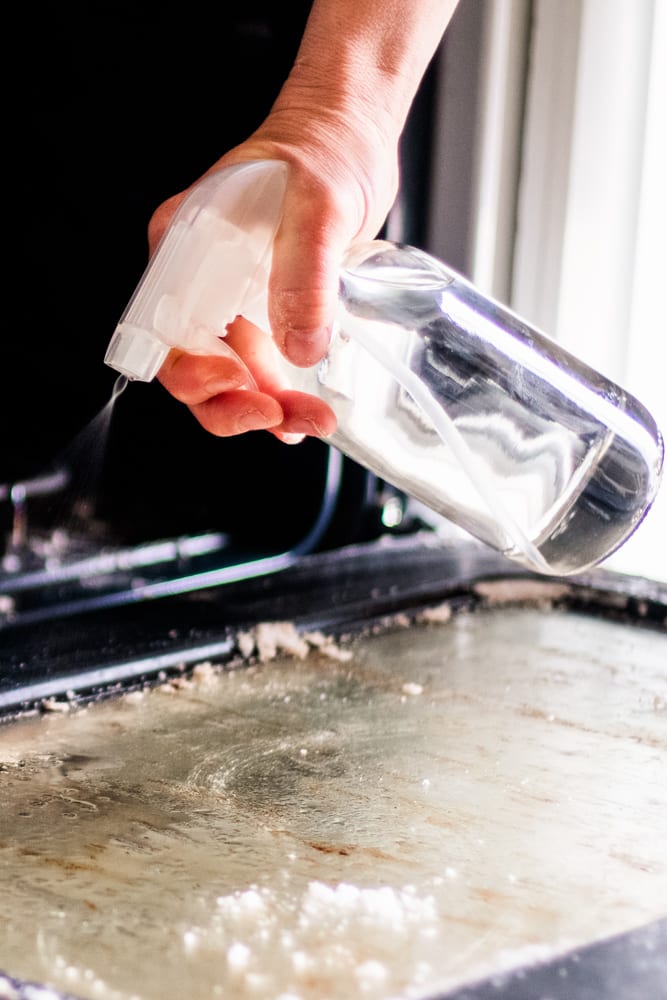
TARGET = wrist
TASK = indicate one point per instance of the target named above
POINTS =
(367, 57)
(346, 94)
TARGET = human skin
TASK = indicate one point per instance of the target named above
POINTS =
(336, 122)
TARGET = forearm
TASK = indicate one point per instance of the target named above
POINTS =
(367, 54)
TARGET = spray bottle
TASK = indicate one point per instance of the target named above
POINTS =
(437, 389)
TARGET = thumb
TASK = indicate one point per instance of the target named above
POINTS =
(303, 287)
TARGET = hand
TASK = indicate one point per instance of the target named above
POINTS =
(337, 123)
(325, 209)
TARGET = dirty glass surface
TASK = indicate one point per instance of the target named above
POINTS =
(457, 798)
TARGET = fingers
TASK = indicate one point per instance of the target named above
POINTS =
(220, 392)
(291, 417)
(303, 414)
(245, 390)
(238, 411)
(193, 378)
(259, 354)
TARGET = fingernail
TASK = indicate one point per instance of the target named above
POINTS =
(215, 385)
(306, 349)
(303, 426)
(254, 420)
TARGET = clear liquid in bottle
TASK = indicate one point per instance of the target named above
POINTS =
(457, 401)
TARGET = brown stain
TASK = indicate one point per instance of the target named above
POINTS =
(64, 864)
(521, 795)
(330, 848)
(503, 902)
(94, 848)
(533, 713)
(481, 923)
(627, 859)
(67, 866)
(547, 799)
(340, 850)
(537, 713)
(490, 895)
(443, 824)
(346, 850)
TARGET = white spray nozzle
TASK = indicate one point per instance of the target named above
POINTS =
(136, 353)
(211, 266)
